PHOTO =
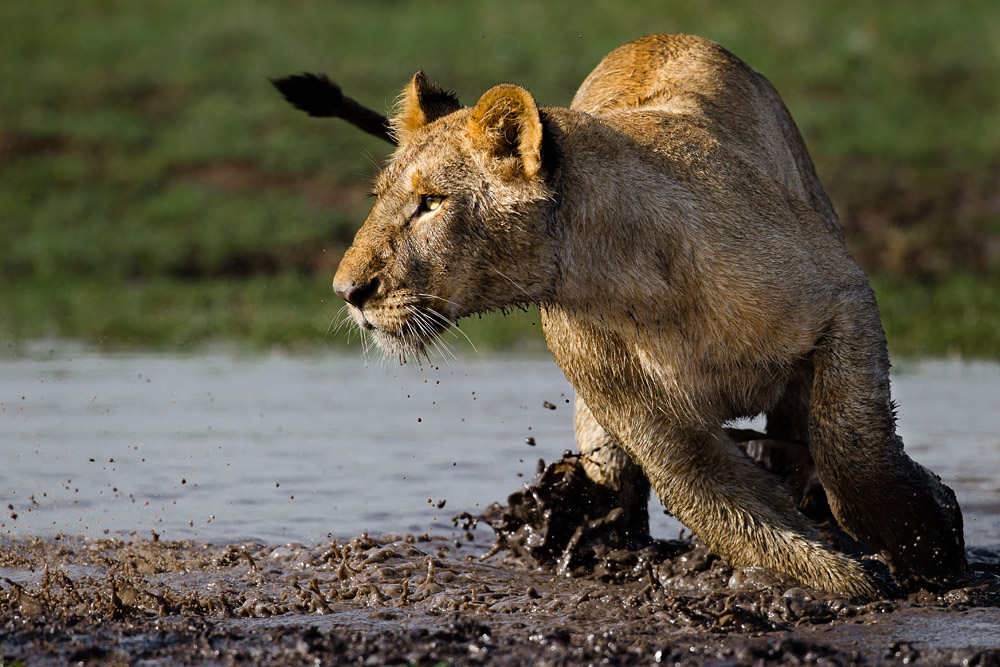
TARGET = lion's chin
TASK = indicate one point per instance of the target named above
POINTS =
(398, 345)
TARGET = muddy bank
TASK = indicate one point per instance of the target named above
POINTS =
(407, 599)
(539, 593)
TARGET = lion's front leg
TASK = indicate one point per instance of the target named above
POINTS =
(607, 465)
(738, 509)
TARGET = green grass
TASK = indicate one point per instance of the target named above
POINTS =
(156, 191)
(290, 310)
(957, 317)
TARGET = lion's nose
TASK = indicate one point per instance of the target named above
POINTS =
(355, 293)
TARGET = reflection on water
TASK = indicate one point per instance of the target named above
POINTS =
(221, 446)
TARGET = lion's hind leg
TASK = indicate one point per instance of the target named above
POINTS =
(877, 493)
(786, 451)
(788, 419)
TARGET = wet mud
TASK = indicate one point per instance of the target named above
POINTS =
(553, 580)
(564, 522)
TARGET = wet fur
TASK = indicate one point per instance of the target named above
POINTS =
(690, 270)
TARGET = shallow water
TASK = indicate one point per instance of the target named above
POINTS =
(221, 447)
(225, 447)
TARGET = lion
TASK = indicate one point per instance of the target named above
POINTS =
(690, 270)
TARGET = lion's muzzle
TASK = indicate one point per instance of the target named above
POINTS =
(355, 292)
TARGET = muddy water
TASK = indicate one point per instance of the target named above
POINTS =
(210, 510)
(275, 448)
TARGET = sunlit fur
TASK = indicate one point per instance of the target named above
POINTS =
(689, 270)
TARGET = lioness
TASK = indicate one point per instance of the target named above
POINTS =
(690, 270)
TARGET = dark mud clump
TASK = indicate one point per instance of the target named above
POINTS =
(561, 586)
(566, 523)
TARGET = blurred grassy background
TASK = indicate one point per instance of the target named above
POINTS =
(156, 191)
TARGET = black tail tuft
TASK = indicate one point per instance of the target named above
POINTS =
(313, 93)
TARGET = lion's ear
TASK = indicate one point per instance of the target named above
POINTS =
(422, 102)
(506, 124)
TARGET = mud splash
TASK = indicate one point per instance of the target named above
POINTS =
(555, 588)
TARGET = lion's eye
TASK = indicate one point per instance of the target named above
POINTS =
(430, 203)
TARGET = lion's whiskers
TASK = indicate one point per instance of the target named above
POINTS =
(440, 298)
(345, 318)
(428, 330)
(367, 340)
(446, 323)
(517, 285)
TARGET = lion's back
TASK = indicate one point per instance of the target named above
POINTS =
(695, 78)
(667, 72)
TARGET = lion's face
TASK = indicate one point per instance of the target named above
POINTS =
(459, 224)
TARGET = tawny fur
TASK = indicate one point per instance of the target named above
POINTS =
(690, 270)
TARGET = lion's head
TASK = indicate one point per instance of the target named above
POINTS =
(462, 220)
